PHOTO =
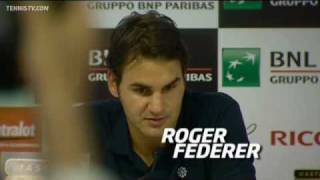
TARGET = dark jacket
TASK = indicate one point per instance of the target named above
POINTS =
(202, 110)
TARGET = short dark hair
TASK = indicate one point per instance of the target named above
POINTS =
(150, 35)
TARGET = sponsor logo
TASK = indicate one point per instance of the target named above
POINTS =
(199, 75)
(17, 131)
(16, 166)
(98, 76)
(241, 67)
(293, 138)
(151, 5)
(307, 174)
(98, 65)
(189, 5)
(294, 3)
(293, 67)
(110, 5)
(242, 5)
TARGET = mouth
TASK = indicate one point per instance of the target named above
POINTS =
(155, 118)
(156, 121)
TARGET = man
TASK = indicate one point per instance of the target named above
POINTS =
(147, 63)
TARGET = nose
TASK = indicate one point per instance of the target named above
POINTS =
(156, 104)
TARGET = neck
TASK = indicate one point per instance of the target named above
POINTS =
(144, 146)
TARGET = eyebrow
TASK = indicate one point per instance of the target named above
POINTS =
(141, 85)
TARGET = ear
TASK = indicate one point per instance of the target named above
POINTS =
(112, 84)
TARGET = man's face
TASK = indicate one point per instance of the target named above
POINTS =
(151, 92)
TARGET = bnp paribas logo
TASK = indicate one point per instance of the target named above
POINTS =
(241, 67)
(242, 5)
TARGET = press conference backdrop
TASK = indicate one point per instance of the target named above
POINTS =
(265, 54)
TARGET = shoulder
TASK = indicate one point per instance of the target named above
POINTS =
(209, 108)
(209, 100)
(105, 105)
(104, 108)
(104, 112)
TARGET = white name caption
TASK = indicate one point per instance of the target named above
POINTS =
(202, 143)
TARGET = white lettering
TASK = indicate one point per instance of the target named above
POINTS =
(17, 130)
(168, 135)
(178, 149)
(291, 3)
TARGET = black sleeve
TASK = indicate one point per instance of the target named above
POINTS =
(231, 169)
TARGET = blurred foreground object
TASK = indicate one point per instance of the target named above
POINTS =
(13, 92)
(55, 46)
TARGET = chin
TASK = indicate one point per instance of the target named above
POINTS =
(154, 132)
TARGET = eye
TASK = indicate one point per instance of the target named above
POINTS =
(170, 87)
(142, 91)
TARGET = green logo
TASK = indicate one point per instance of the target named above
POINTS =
(242, 5)
(241, 67)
